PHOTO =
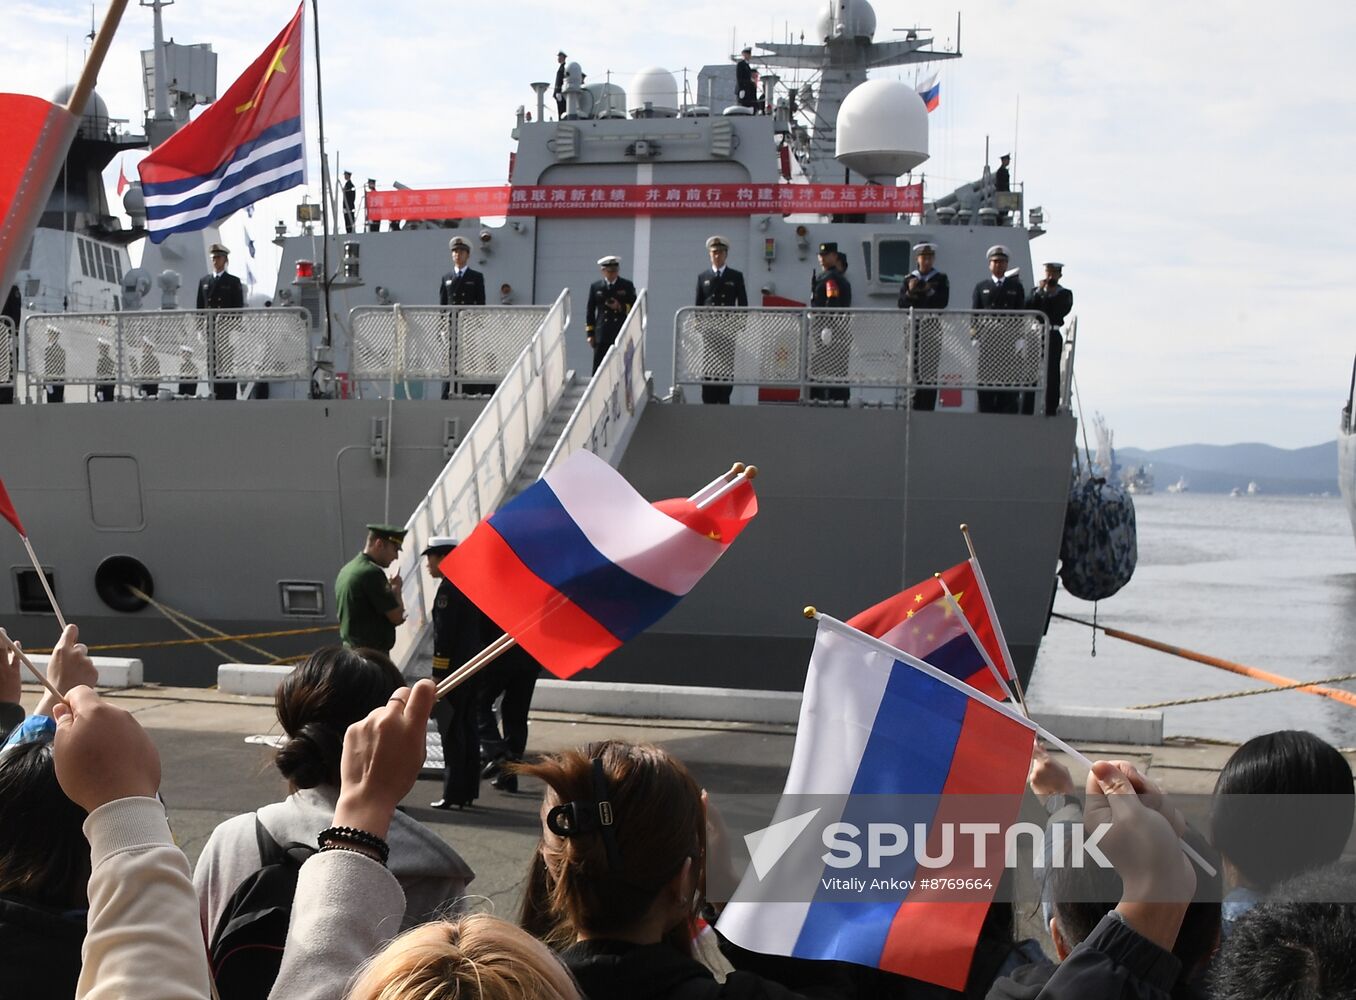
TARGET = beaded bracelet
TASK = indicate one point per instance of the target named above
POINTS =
(352, 849)
(353, 835)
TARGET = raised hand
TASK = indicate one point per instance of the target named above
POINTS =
(382, 757)
(101, 752)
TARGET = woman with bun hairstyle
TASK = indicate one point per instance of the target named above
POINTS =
(627, 893)
(316, 703)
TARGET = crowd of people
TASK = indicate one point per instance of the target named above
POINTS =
(334, 892)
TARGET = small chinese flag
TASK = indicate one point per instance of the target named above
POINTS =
(122, 179)
(8, 512)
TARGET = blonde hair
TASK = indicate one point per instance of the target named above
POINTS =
(478, 957)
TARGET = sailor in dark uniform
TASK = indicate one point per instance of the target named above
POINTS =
(999, 342)
(460, 631)
(219, 290)
(746, 92)
(463, 286)
(350, 202)
(558, 91)
(830, 338)
(1002, 181)
(1056, 302)
(925, 287)
(610, 300)
(719, 285)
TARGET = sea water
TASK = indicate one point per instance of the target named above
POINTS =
(1265, 581)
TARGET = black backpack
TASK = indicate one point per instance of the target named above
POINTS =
(247, 947)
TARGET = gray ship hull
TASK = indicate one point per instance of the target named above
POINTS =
(227, 501)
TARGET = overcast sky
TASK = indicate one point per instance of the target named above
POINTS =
(1193, 160)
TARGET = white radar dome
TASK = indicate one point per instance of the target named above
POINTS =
(847, 19)
(657, 88)
(882, 129)
(94, 119)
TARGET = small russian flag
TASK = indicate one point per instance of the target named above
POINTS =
(579, 562)
(931, 92)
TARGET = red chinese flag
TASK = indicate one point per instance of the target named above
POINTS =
(8, 512)
(37, 136)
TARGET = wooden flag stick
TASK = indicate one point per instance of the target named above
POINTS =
(42, 577)
(477, 663)
(970, 631)
(748, 474)
(724, 477)
(42, 679)
(993, 617)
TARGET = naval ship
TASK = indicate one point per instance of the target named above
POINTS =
(1346, 452)
(238, 513)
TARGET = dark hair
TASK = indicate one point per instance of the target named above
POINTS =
(1284, 803)
(1083, 896)
(1291, 947)
(319, 700)
(44, 857)
(659, 824)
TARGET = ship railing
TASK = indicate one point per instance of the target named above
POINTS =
(471, 347)
(9, 342)
(606, 414)
(478, 476)
(812, 350)
(133, 353)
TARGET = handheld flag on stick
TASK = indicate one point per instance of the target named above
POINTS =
(246, 146)
(579, 562)
(920, 621)
(11, 515)
(997, 626)
(872, 724)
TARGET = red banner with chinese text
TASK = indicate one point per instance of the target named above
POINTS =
(643, 199)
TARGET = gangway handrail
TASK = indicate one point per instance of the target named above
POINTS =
(604, 416)
(476, 479)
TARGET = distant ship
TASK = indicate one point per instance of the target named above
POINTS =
(1346, 452)
(1139, 480)
(1181, 486)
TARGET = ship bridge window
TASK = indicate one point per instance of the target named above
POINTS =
(110, 269)
(83, 247)
(32, 599)
(894, 260)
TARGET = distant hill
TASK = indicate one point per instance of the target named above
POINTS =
(1213, 468)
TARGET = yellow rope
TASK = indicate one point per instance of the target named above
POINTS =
(198, 642)
(1245, 694)
(168, 612)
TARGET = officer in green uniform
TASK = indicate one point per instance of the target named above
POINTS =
(369, 605)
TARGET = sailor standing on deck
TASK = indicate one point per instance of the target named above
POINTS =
(998, 341)
(369, 605)
(462, 286)
(925, 287)
(831, 343)
(610, 300)
(719, 286)
(746, 91)
(1056, 302)
(558, 91)
(350, 202)
(219, 290)
(460, 631)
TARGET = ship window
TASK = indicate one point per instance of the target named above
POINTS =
(302, 598)
(110, 268)
(28, 589)
(31, 288)
(866, 258)
(894, 260)
(84, 256)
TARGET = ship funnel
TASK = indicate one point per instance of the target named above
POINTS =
(882, 130)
